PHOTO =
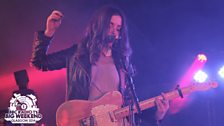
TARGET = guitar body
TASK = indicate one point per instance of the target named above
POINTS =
(90, 113)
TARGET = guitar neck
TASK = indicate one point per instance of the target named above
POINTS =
(149, 103)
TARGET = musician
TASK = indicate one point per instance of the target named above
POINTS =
(98, 64)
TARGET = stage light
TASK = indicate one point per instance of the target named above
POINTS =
(200, 76)
(221, 72)
(202, 58)
(196, 65)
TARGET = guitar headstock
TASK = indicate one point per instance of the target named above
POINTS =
(205, 85)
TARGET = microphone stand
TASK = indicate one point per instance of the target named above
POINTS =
(133, 100)
(132, 97)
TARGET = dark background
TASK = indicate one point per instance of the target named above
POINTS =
(166, 36)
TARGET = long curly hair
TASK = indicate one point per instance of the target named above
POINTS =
(96, 34)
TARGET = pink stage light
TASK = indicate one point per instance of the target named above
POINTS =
(202, 58)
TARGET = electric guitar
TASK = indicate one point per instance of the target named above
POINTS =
(107, 111)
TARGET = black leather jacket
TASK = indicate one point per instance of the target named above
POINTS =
(78, 70)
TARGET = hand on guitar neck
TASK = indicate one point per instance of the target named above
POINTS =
(162, 106)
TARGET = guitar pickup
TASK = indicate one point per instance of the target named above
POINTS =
(87, 121)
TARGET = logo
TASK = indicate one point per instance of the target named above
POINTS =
(23, 110)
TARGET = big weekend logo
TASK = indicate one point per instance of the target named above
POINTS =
(23, 110)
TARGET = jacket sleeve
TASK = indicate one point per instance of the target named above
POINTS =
(43, 61)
